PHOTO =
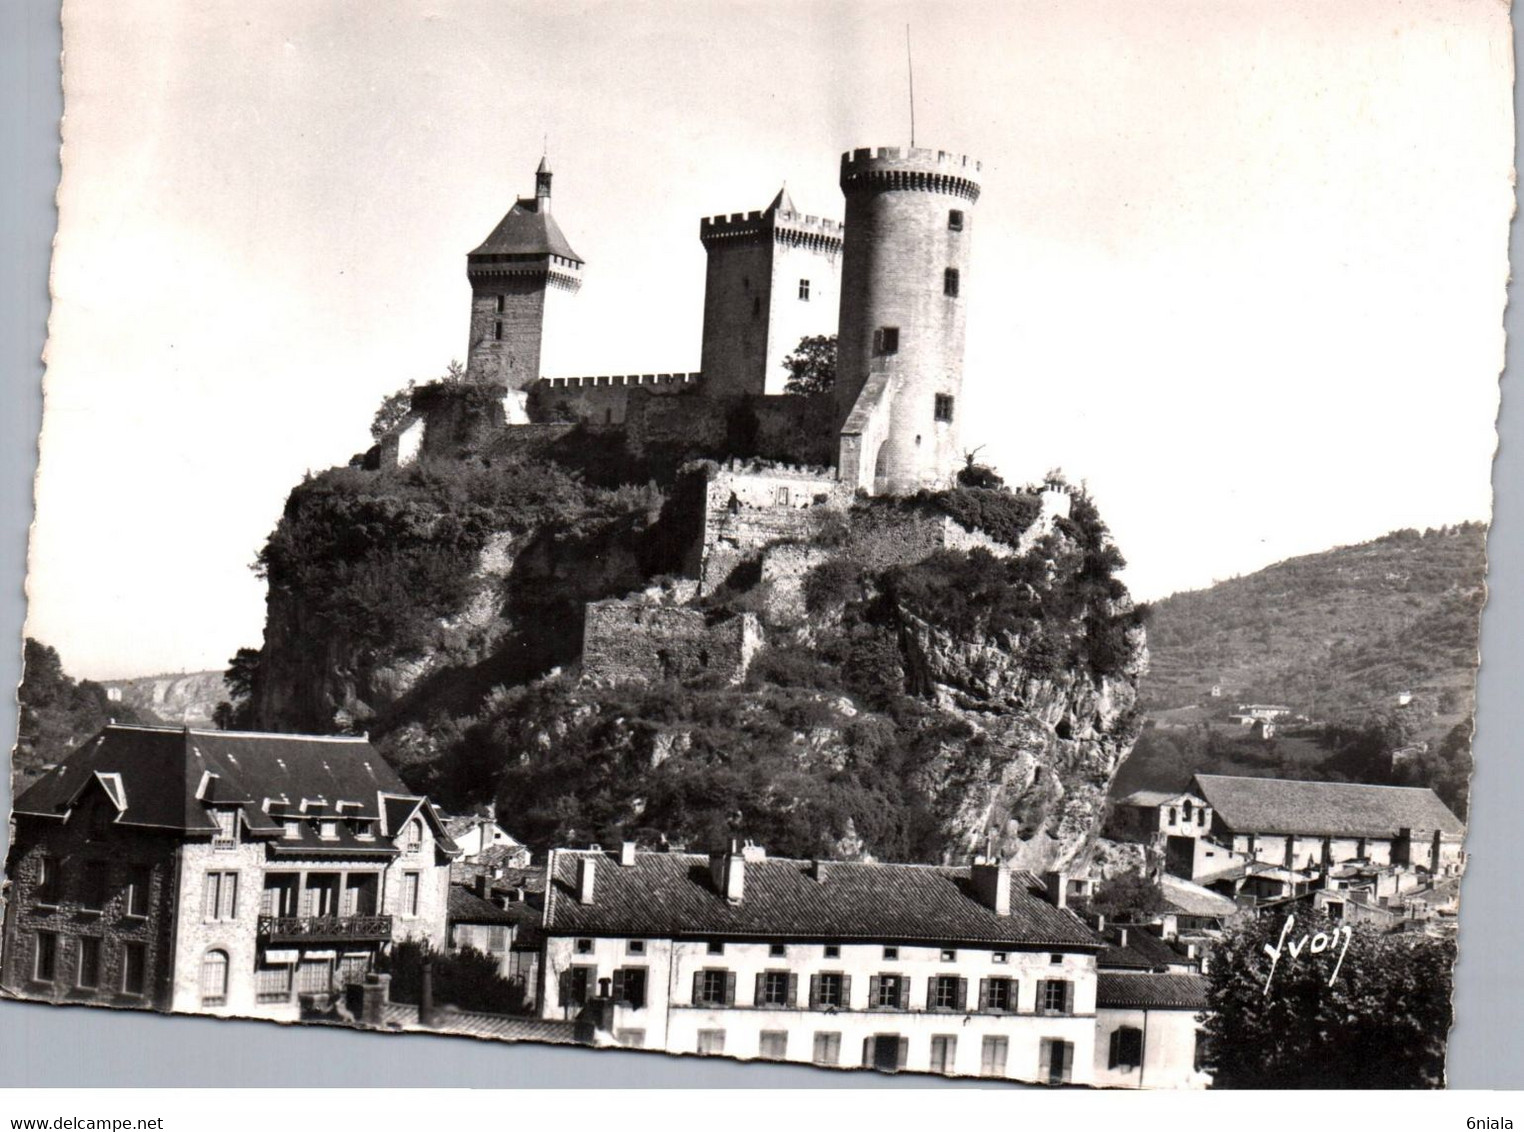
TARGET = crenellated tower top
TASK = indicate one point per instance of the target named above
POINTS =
(926, 170)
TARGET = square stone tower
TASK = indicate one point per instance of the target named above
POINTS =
(772, 279)
(521, 276)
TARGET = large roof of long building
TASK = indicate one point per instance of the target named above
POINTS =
(525, 230)
(1342, 809)
(672, 894)
(171, 778)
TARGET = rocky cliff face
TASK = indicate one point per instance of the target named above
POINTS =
(902, 709)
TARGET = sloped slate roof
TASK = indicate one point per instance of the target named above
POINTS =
(671, 894)
(1143, 950)
(161, 768)
(1348, 809)
(525, 230)
(1125, 989)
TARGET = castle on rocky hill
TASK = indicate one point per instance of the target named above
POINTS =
(891, 282)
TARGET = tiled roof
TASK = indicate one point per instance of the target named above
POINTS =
(468, 908)
(1154, 797)
(671, 894)
(525, 230)
(503, 1027)
(1189, 899)
(153, 775)
(1120, 990)
(1347, 809)
(1143, 949)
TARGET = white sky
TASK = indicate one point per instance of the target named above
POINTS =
(1239, 266)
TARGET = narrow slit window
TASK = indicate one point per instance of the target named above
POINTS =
(804, 290)
(950, 282)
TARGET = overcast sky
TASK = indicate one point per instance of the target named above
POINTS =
(1239, 266)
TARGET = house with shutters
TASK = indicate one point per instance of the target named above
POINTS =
(971, 971)
(217, 872)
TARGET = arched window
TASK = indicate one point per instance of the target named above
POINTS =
(414, 836)
(214, 978)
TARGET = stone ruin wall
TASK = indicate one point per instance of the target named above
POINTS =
(750, 506)
(601, 400)
(640, 641)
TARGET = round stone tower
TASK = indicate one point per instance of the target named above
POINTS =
(904, 286)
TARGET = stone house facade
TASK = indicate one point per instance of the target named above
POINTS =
(217, 872)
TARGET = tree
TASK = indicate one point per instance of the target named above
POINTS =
(236, 713)
(395, 407)
(1128, 898)
(978, 475)
(812, 365)
(57, 712)
(1380, 1022)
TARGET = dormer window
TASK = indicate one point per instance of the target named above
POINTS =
(361, 828)
(413, 842)
(293, 829)
(226, 836)
(328, 829)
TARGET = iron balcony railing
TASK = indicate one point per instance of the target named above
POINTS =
(321, 928)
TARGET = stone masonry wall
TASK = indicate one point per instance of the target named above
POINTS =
(599, 400)
(627, 641)
(747, 507)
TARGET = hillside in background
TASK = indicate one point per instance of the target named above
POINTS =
(1373, 647)
(182, 698)
(57, 714)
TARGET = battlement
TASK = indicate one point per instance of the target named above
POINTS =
(620, 379)
(785, 227)
(924, 170)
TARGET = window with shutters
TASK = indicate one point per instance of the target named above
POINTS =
(45, 957)
(226, 836)
(139, 878)
(889, 992)
(776, 988)
(497, 939)
(1055, 1065)
(220, 896)
(352, 969)
(773, 1045)
(829, 990)
(279, 896)
(580, 982)
(134, 968)
(410, 894)
(950, 282)
(321, 896)
(272, 982)
(946, 992)
(998, 996)
(711, 1041)
(944, 1049)
(214, 978)
(88, 974)
(714, 986)
(1056, 996)
(1126, 1049)
(992, 1056)
(630, 986)
(93, 898)
(47, 880)
(827, 1047)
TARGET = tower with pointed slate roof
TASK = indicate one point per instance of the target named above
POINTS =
(521, 276)
(772, 279)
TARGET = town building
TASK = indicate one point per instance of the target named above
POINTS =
(976, 971)
(479, 838)
(217, 872)
(1148, 1030)
(1314, 825)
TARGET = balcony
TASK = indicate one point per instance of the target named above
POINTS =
(324, 929)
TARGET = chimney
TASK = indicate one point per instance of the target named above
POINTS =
(1121, 937)
(818, 871)
(587, 868)
(1058, 888)
(727, 867)
(483, 885)
(627, 854)
(991, 881)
